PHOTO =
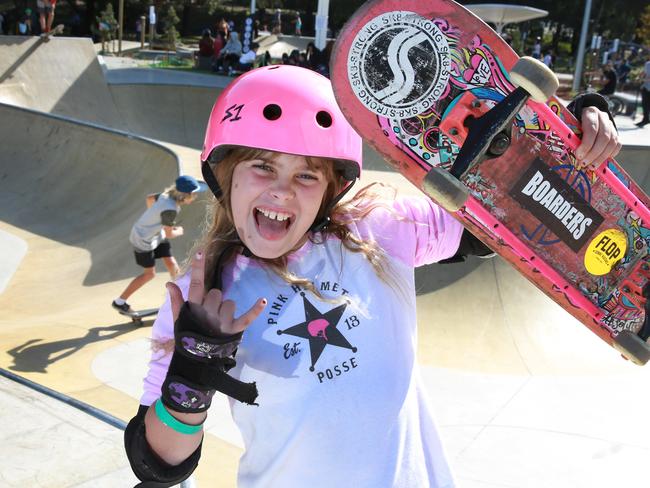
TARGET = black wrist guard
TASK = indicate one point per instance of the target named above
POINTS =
(199, 365)
(589, 100)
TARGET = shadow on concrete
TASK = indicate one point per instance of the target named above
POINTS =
(438, 276)
(35, 356)
(7, 73)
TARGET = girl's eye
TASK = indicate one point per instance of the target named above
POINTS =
(307, 176)
(263, 167)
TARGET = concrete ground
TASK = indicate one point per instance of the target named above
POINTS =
(525, 396)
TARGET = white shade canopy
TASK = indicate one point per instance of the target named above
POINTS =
(501, 14)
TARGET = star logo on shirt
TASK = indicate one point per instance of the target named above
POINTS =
(320, 329)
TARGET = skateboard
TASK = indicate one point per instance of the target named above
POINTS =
(137, 316)
(45, 36)
(452, 107)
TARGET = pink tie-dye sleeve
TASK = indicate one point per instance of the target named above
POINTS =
(415, 230)
(162, 332)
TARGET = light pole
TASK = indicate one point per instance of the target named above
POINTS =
(577, 75)
(120, 20)
(152, 25)
(143, 26)
(321, 24)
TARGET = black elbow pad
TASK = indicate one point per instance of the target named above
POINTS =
(149, 468)
(469, 246)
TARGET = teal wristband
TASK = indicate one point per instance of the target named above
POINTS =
(168, 419)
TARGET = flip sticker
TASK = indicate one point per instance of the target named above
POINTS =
(607, 249)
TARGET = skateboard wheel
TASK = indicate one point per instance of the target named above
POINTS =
(632, 347)
(446, 190)
(535, 77)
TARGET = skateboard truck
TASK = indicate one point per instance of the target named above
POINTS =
(644, 332)
(489, 135)
(635, 346)
(638, 292)
(136, 317)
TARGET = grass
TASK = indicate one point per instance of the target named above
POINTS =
(174, 62)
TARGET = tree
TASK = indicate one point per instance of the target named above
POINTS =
(643, 30)
(107, 26)
(170, 21)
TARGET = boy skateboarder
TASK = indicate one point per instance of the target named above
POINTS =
(151, 233)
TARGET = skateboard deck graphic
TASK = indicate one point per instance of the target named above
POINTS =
(137, 316)
(424, 83)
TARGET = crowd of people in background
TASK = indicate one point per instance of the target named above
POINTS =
(225, 53)
(222, 51)
(312, 58)
(28, 21)
(220, 48)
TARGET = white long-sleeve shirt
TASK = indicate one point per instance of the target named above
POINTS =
(341, 403)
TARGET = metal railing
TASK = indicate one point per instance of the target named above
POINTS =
(79, 405)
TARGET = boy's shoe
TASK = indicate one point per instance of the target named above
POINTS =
(125, 307)
(642, 123)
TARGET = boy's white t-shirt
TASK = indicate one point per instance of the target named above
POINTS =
(341, 403)
(147, 232)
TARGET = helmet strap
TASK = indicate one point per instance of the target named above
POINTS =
(219, 264)
(211, 180)
(323, 223)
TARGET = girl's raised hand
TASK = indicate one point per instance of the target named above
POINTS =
(599, 138)
(216, 315)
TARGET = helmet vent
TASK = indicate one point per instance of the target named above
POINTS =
(324, 119)
(272, 111)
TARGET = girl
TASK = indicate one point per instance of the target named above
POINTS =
(151, 233)
(328, 300)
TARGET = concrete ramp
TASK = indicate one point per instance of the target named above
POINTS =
(82, 186)
(169, 113)
(61, 77)
(635, 159)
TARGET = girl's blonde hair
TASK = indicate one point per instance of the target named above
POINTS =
(177, 196)
(221, 233)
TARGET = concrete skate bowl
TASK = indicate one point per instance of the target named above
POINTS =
(82, 186)
(70, 192)
(174, 113)
(62, 77)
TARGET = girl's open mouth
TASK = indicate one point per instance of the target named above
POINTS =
(271, 224)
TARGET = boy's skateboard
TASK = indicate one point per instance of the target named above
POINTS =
(137, 316)
(436, 91)
(45, 36)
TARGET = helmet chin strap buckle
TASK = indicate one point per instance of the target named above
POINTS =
(325, 221)
(322, 225)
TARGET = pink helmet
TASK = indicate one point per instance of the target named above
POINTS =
(284, 109)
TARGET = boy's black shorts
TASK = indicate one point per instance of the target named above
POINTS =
(147, 259)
